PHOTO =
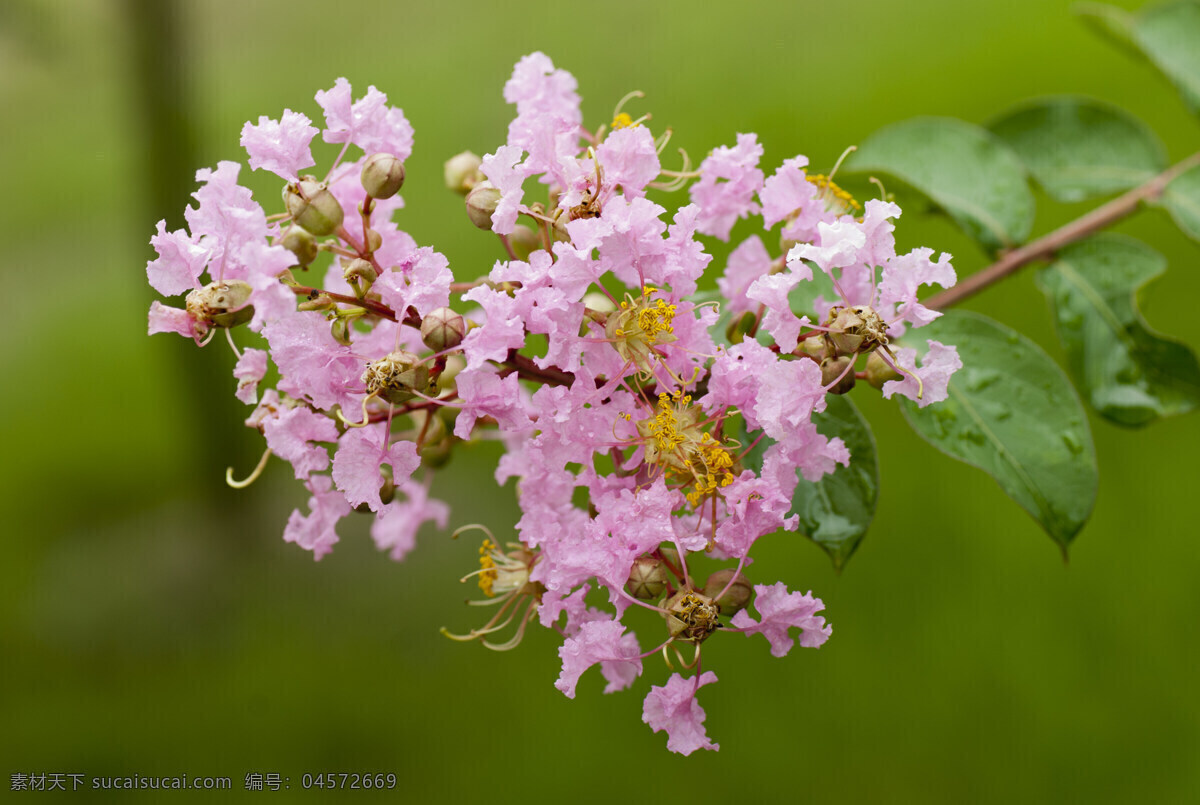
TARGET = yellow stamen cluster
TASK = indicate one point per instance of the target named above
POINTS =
(639, 326)
(835, 197)
(488, 577)
(686, 454)
(622, 120)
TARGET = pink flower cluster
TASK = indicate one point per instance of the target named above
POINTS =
(629, 428)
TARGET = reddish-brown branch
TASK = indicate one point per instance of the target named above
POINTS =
(1045, 246)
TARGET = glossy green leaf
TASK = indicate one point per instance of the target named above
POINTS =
(1182, 200)
(965, 170)
(1012, 413)
(1112, 23)
(836, 511)
(1130, 374)
(1170, 36)
(1077, 148)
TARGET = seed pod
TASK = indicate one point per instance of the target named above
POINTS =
(301, 243)
(647, 579)
(462, 172)
(481, 203)
(313, 206)
(382, 175)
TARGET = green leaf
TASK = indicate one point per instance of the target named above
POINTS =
(1170, 36)
(1077, 148)
(1182, 199)
(1012, 413)
(1129, 373)
(836, 511)
(963, 169)
(1112, 23)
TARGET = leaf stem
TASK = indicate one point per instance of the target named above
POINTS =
(1045, 246)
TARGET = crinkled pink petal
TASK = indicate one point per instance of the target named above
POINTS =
(369, 123)
(226, 219)
(395, 527)
(772, 291)
(503, 330)
(504, 170)
(787, 192)
(421, 280)
(685, 257)
(537, 88)
(316, 531)
(629, 158)
(673, 707)
(902, 276)
(483, 393)
(937, 366)
(839, 245)
(313, 363)
(782, 610)
(360, 455)
(251, 367)
(292, 433)
(747, 263)
(181, 261)
(165, 319)
(729, 180)
(280, 146)
(599, 641)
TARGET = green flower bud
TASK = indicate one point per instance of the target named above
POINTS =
(814, 347)
(524, 241)
(462, 172)
(740, 327)
(647, 579)
(221, 304)
(832, 369)
(879, 372)
(481, 203)
(442, 329)
(374, 240)
(360, 269)
(599, 302)
(382, 175)
(339, 328)
(312, 206)
(301, 243)
(736, 597)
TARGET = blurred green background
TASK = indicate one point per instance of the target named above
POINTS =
(154, 622)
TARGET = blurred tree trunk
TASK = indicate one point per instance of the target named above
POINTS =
(160, 98)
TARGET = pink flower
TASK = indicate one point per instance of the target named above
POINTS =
(938, 364)
(484, 393)
(729, 180)
(629, 160)
(293, 434)
(316, 531)
(395, 528)
(181, 261)
(227, 219)
(674, 708)
(165, 319)
(604, 642)
(504, 170)
(360, 455)
(280, 146)
(251, 367)
(780, 611)
(369, 122)
(747, 263)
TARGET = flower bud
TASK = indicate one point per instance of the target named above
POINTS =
(221, 304)
(312, 206)
(462, 172)
(435, 455)
(879, 371)
(736, 597)
(382, 175)
(374, 240)
(599, 302)
(301, 243)
(445, 381)
(740, 327)
(647, 579)
(524, 241)
(442, 329)
(481, 203)
(339, 328)
(360, 268)
(814, 347)
(839, 371)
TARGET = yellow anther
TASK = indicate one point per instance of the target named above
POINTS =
(622, 121)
